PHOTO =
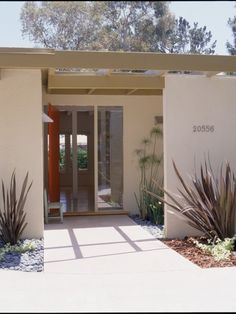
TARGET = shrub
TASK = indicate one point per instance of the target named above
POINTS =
(62, 159)
(18, 247)
(157, 213)
(12, 215)
(209, 203)
(220, 249)
(82, 157)
(149, 161)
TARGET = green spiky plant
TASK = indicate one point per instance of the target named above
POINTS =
(208, 203)
(12, 215)
(149, 160)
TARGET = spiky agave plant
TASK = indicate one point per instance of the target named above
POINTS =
(12, 215)
(209, 204)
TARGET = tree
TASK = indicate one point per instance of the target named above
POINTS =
(63, 25)
(130, 25)
(232, 47)
(112, 25)
(186, 39)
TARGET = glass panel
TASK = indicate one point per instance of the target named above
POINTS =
(110, 157)
(82, 151)
(62, 152)
(82, 144)
(85, 158)
(65, 131)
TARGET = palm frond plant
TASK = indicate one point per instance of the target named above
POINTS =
(149, 160)
(12, 215)
(208, 203)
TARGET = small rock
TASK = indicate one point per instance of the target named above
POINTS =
(155, 230)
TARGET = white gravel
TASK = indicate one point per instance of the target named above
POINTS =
(156, 230)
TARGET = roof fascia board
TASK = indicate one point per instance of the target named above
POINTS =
(118, 60)
(17, 50)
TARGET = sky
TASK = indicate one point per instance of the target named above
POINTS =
(213, 14)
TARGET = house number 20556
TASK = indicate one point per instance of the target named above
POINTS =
(203, 128)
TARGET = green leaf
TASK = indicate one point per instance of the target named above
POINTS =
(12, 215)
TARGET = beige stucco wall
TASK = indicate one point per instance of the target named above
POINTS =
(192, 101)
(21, 139)
(138, 119)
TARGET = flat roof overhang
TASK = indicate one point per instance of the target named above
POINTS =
(124, 73)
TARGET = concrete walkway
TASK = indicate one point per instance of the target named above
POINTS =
(109, 264)
(106, 245)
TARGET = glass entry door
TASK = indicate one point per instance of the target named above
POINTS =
(77, 159)
(90, 158)
(110, 158)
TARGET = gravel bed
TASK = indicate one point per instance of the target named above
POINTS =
(29, 261)
(156, 230)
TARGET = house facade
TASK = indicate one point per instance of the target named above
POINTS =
(102, 105)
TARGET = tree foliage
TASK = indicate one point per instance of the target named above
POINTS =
(63, 25)
(232, 47)
(113, 26)
(183, 38)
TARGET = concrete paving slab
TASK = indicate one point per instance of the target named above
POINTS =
(106, 244)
